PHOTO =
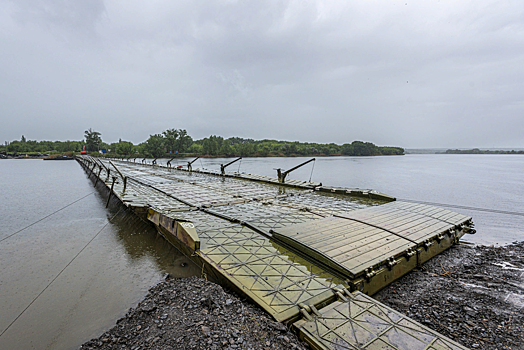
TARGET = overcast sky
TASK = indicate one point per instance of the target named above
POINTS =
(413, 74)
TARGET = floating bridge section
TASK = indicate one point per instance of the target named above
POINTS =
(310, 255)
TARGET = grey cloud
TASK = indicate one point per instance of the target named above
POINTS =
(425, 74)
(65, 19)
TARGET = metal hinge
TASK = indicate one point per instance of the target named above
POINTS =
(392, 262)
(369, 273)
(307, 310)
(342, 293)
(469, 229)
(428, 243)
(410, 252)
(453, 235)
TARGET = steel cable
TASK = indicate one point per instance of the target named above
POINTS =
(312, 168)
(464, 207)
(45, 217)
(65, 267)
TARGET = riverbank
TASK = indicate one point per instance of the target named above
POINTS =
(192, 313)
(38, 155)
(473, 295)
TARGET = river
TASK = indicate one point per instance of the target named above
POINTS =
(125, 256)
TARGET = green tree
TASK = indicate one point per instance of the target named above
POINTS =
(196, 148)
(93, 140)
(387, 151)
(124, 148)
(141, 148)
(14, 146)
(155, 146)
(359, 148)
(289, 148)
(177, 140)
(246, 149)
(264, 150)
(364, 148)
(212, 145)
(184, 141)
(226, 149)
(346, 149)
(170, 140)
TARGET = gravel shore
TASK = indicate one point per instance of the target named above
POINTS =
(192, 313)
(473, 295)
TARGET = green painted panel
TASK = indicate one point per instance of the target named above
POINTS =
(363, 323)
(347, 246)
(272, 276)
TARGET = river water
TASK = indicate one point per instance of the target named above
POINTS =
(125, 256)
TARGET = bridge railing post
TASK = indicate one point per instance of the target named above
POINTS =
(98, 177)
(111, 191)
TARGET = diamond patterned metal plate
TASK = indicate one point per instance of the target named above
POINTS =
(363, 323)
(328, 204)
(138, 195)
(277, 279)
(204, 189)
(272, 276)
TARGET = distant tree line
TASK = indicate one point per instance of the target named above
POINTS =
(478, 151)
(32, 146)
(177, 141)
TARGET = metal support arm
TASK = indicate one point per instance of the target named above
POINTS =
(189, 164)
(223, 167)
(282, 174)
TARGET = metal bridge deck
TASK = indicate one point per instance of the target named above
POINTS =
(360, 322)
(296, 252)
(357, 241)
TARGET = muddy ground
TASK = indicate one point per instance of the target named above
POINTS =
(473, 295)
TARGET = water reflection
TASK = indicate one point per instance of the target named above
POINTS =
(113, 273)
(140, 239)
(116, 269)
(483, 181)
